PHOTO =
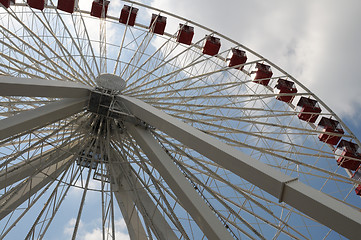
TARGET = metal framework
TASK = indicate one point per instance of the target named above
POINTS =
(191, 148)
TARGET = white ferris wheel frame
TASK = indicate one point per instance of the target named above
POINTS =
(324, 209)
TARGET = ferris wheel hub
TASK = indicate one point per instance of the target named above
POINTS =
(110, 82)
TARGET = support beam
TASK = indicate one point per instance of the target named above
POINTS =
(41, 116)
(127, 207)
(36, 87)
(19, 171)
(188, 197)
(129, 193)
(16, 196)
(130, 214)
(324, 209)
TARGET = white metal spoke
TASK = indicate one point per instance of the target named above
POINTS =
(62, 48)
(40, 52)
(40, 43)
(53, 202)
(89, 42)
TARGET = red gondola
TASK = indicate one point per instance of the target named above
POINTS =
(185, 34)
(262, 74)
(309, 109)
(348, 155)
(66, 5)
(330, 126)
(128, 15)
(99, 8)
(357, 176)
(7, 3)
(238, 57)
(157, 24)
(37, 4)
(284, 86)
(212, 45)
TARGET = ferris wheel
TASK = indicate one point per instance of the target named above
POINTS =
(135, 113)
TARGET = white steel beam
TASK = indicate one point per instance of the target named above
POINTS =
(188, 197)
(130, 193)
(321, 207)
(24, 169)
(41, 116)
(36, 87)
(130, 215)
(16, 196)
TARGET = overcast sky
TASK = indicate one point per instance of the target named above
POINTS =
(317, 42)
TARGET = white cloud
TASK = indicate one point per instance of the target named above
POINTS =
(69, 227)
(315, 41)
(91, 231)
(96, 234)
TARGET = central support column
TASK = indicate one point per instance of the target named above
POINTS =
(188, 197)
(130, 193)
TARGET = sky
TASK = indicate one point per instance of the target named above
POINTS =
(317, 42)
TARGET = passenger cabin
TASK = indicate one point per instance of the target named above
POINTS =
(99, 8)
(261, 74)
(157, 24)
(357, 176)
(66, 5)
(358, 190)
(284, 86)
(329, 126)
(348, 155)
(7, 3)
(212, 45)
(128, 15)
(238, 58)
(37, 4)
(309, 109)
(185, 34)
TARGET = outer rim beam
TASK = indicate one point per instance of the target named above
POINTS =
(189, 198)
(324, 209)
(41, 116)
(36, 87)
(129, 192)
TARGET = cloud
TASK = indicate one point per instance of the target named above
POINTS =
(96, 234)
(91, 231)
(69, 227)
(315, 41)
